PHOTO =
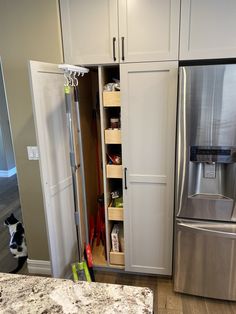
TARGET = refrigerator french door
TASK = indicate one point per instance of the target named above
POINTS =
(205, 226)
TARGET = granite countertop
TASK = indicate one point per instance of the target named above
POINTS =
(31, 294)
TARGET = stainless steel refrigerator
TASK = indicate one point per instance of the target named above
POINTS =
(205, 200)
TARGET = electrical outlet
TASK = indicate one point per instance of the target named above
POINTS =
(33, 152)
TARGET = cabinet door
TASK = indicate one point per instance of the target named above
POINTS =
(53, 141)
(90, 31)
(149, 30)
(149, 93)
(207, 29)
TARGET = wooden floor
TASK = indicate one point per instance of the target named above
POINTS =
(9, 203)
(9, 195)
(166, 301)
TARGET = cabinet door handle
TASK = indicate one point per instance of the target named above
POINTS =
(123, 48)
(114, 48)
(125, 177)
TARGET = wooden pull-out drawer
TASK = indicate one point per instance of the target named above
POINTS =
(117, 258)
(114, 171)
(112, 136)
(115, 213)
(111, 99)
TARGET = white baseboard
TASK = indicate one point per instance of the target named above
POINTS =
(7, 173)
(39, 267)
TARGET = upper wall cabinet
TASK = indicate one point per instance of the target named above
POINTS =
(148, 30)
(90, 31)
(208, 29)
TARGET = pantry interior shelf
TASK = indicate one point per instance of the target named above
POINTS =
(110, 110)
(117, 258)
(114, 171)
(115, 213)
(112, 136)
(111, 99)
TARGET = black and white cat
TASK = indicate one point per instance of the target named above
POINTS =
(17, 243)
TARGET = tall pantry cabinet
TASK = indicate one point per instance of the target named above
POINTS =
(138, 41)
(148, 96)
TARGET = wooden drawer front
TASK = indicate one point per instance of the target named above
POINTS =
(113, 136)
(114, 171)
(115, 213)
(117, 258)
(111, 99)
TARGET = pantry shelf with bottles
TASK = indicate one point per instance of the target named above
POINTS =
(111, 142)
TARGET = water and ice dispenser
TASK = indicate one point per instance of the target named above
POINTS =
(211, 182)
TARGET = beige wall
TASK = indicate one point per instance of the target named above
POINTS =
(29, 29)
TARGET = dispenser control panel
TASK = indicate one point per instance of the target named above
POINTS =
(210, 170)
(213, 154)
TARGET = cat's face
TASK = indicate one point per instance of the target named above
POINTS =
(11, 220)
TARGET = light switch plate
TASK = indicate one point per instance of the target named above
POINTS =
(33, 152)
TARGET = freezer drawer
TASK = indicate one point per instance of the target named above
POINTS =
(205, 259)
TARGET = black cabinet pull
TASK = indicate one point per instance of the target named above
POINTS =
(125, 173)
(114, 48)
(123, 48)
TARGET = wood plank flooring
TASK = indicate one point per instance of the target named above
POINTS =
(166, 301)
(9, 196)
(9, 203)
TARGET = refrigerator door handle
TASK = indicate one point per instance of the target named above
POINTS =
(206, 231)
(181, 143)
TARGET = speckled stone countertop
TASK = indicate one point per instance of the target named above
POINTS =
(30, 294)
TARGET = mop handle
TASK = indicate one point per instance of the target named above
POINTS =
(81, 155)
(68, 102)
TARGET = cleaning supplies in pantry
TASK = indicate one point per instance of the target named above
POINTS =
(114, 159)
(117, 199)
(117, 238)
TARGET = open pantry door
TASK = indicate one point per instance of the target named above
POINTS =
(47, 83)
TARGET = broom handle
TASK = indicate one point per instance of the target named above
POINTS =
(81, 155)
(68, 102)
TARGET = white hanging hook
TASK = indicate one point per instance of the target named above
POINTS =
(71, 79)
(75, 80)
(69, 67)
(66, 82)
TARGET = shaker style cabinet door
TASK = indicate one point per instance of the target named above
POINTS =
(90, 31)
(208, 29)
(148, 113)
(148, 30)
(53, 141)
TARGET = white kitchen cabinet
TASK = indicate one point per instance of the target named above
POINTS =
(147, 136)
(90, 31)
(148, 113)
(51, 124)
(52, 139)
(148, 30)
(207, 29)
